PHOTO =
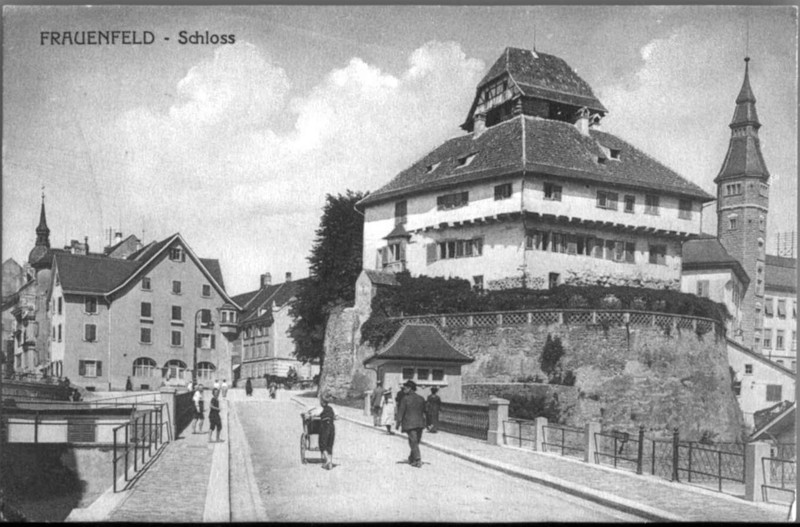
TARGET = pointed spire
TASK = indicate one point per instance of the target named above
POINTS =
(745, 113)
(42, 231)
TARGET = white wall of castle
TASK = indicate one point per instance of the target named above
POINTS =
(721, 286)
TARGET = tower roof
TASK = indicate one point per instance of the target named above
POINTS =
(744, 158)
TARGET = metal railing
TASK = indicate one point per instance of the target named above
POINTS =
(779, 474)
(574, 445)
(136, 439)
(620, 447)
(525, 431)
(470, 420)
(705, 462)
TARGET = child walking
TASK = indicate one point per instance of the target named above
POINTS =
(214, 420)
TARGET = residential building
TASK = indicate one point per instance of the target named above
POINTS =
(14, 277)
(779, 313)
(533, 195)
(264, 343)
(157, 316)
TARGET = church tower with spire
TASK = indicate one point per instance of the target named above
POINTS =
(742, 206)
(37, 256)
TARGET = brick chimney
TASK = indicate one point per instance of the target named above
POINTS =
(266, 279)
(479, 125)
(288, 277)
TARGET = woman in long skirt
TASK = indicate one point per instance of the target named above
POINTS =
(327, 432)
(387, 411)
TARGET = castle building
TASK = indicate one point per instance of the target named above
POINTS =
(533, 194)
(264, 344)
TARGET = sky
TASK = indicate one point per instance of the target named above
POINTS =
(236, 146)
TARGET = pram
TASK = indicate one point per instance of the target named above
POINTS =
(311, 425)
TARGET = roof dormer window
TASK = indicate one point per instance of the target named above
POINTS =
(466, 160)
(614, 153)
(431, 168)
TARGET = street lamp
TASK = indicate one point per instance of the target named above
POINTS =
(204, 323)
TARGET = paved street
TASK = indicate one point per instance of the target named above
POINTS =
(372, 482)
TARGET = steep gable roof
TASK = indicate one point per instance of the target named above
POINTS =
(781, 274)
(420, 342)
(264, 299)
(536, 145)
(90, 273)
(706, 252)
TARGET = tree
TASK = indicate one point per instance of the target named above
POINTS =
(334, 264)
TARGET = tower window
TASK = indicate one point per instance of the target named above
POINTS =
(732, 223)
(732, 189)
(630, 203)
(502, 191)
(552, 191)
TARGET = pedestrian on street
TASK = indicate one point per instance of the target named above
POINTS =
(273, 387)
(224, 388)
(190, 386)
(214, 421)
(399, 397)
(432, 407)
(197, 398)
(248, 387)
(216, 384)
(388, 411)
(128, 385)
(411, 417)
(327, 429)
(376, 401)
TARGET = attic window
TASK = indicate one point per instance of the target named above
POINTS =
(614, 153)
(602, 160)
(466, 160)
(433, 167)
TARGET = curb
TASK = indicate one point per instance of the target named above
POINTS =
(217, 507)
(603, 498)
(255, 512)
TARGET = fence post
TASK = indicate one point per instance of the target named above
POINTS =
(675, 454)
(640, 453)
(498, 415)
(367, 403)
(689, 472)
(168, 397)
(754, 473)
(540, 423)
(590, 451)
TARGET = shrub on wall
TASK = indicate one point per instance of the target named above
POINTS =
(424, 295)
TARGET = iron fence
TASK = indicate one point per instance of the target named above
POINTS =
(779, 474)
(566, 439)
(519, 431)
(712, 462)
(470, 420)
(620, 448)
(134, 441)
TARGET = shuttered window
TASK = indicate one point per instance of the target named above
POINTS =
(769, 308)
(432, 251)
(774, 393)
(702, 288)
(781, 308)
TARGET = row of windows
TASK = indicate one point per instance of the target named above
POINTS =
(177, 287)
(147, 367)
(259, 350)
(423, 374)
(733, 224)
(769, 308)
(255, 331)
(779, 339)
(449, 249)
(614, 250)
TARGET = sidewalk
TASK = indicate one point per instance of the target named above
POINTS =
(188, 483)
(651, 497)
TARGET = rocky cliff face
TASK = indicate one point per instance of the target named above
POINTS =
(626, 376)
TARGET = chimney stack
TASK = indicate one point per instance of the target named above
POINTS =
(479, 125)
(117, 237)
(288, 277)
(266, 279)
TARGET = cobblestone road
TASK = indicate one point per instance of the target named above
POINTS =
(372, 482)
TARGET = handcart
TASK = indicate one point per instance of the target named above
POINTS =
(311, 426)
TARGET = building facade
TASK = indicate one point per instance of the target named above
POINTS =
(159, 316)
(779, 314)
(533, 195)
(263, 342)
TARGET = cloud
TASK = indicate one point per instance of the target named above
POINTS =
(220, 162)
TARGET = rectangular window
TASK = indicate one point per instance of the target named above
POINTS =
(477, 282)
(206, 290)
(90, 368)
(146, 283)
(176, 287)
(781, 308)
(651, 204)
(609, 249)
(437, 375)
(606, 200)
(658, 254)
(176, 313)
(685, 209)
(90, 305)
(145, 335)
(502, 191)
(176, 254)
(630, 203)
(630, 252)
(59, 332)
(779, 334)
(400, 212)
(408, 373)
(423, 374)
(748, 369)
(452, 201)
(767, 342)
(702, 288)
(597, 248)
(176, 338)
(60, 305)
(206, 341)
(794, 340)
(774, 393)
(460, 248)
(538, 240)
(769, 307)
(552, 191)
(552, 280)
(732, 223)
(146, 310)
(90, 332)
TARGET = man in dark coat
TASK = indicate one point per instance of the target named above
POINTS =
(411, 417)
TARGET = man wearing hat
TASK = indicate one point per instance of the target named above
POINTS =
(411, 417)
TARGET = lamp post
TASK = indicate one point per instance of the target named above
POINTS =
(209, 324)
